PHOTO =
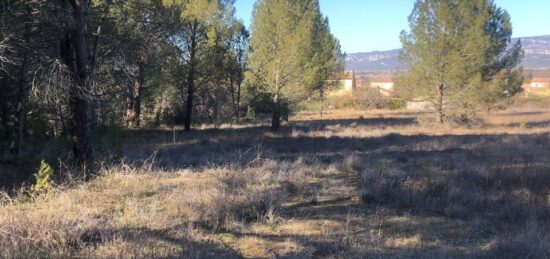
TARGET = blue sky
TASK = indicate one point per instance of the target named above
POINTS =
(368, 25)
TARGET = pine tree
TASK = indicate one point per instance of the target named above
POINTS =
(456, 50)
(201, 31)
(292, 52)
(326, 59)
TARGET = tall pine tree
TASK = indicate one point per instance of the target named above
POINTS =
(460, 55)
(293, 52)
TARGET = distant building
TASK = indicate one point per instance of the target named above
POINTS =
(537, 85)
(345, 84)
(384, 84)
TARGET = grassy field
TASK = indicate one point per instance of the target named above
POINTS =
(353, 184)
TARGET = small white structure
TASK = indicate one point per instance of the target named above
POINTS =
(537, 85)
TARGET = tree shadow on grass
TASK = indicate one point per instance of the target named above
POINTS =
(221, 147)
(459, 226)
(529, 125)
(521, 113)
(520, 161)
(174, 242)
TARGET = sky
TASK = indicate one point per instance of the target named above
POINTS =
(370, 25)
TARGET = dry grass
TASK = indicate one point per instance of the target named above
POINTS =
(498, 184)
(138, 213)
(351, 185)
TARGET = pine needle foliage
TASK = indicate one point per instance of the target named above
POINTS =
(43, 177)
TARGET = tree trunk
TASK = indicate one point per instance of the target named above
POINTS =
(23, 89)
(439, 105)
(236, 95)
(75, 53)
(238, 103)
(133, 101)
(233, 94)
(129, 105)
(235, 87)
(276, 120)
(440, 116)
(191, 77)
(321, 103)
(138, 90)
(22, 97)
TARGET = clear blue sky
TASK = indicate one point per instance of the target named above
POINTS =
(368, 25)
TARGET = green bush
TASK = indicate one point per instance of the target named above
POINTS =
(396, 104)
(250, 113)
(523, 125)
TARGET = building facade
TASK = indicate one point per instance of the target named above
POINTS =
(345, 85)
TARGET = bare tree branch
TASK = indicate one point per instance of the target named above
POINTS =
(5, 48)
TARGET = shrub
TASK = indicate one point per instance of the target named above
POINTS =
(250, 113)
(43, 177)
(523, 125)
(396, 104)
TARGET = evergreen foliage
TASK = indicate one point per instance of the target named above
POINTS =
(69, 67)
(43, 177)
(293, 53)
(461, 55)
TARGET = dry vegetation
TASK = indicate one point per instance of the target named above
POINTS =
(354, 184)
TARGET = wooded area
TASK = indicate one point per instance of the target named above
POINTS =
(69, 67)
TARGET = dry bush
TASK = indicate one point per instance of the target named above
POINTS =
(47, 227)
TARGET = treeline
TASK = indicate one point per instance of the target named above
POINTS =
(70, 66)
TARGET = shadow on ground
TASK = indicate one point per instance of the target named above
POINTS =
(509, 172)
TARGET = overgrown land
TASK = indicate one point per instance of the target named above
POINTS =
(172, 129)
(355, 184)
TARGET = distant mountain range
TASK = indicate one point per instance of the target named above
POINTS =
(537, 56)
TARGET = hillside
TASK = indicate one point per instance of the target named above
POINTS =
(537, 56)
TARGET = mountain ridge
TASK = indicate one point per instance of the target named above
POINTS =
(536, 48)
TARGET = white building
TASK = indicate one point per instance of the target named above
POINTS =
(346, 85)
(537, 85)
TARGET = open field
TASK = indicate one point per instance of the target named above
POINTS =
(353, 184)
